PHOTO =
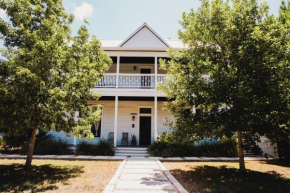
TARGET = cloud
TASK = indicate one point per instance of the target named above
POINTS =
(83, 11)
(2, 14)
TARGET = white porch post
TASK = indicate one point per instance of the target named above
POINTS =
(116, 121)
(156, 68)
(193, 109)
(117, 71)
(155, 118)
(75, 141)
(77, 114)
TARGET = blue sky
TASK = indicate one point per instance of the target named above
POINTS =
(117, 19)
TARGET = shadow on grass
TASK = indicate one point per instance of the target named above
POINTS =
(14, 178)
(229, 180)
(282, 163)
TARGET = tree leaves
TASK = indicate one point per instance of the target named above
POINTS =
(46, 74)
(244, 51)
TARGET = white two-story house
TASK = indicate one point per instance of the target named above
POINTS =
(131, 103)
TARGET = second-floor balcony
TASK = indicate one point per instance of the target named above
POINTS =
(137, 81)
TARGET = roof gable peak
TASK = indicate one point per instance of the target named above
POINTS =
(145, 37)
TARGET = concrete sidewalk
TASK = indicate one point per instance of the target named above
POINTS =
(143, 175)
(81, 157)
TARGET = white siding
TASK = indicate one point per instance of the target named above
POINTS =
(125, 120)
(267, 147)
(162, 115)
(129, 68)
(63, 136)
(144, 39)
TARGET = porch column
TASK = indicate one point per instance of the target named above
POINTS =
(117, 71)
(116, 121)
(193, 109)
(156, 68)
(155, 118)
(77, 114)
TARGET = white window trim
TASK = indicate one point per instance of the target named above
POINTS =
(102, 120)
(146, 115)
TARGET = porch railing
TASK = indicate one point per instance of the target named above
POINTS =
(131, 80)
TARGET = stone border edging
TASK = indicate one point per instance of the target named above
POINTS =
(171, 178)
(121, 158)
(111, 185)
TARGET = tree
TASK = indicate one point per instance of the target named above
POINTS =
(284, 15)
(278, 119)
(240, 47)
(45, 73)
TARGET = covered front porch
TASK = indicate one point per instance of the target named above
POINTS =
(124, 118)
(133, 72)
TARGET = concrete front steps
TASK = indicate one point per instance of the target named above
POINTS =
(131, 151)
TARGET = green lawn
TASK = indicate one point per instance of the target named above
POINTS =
(224, 177)
(56, 176)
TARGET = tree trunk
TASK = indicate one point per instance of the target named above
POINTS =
(31, 149)
(241, 152)
(278, 142)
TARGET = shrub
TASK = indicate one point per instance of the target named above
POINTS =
(13, 143)
(86, 148)
(251, 144)
(45, 144)
(104, 147)
(1, 143)
(206, 149)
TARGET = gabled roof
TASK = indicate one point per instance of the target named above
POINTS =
(144, 37)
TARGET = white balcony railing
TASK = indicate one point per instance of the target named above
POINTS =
(131, 80)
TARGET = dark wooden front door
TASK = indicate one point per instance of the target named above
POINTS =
(145, 131)
(145, 80)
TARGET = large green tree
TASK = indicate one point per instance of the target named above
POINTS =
(240, 47)
(278, 118)
(45, 73)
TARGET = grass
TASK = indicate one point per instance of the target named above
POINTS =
(56, 175)
(223, 177)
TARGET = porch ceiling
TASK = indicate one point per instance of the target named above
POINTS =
(128, 92)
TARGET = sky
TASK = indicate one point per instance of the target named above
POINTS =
(117, 19)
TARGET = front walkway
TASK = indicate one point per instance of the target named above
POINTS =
(138, 174)
(143, 175)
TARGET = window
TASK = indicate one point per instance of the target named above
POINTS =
(145, 110)
(96, 127)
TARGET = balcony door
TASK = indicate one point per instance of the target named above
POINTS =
(145, 78)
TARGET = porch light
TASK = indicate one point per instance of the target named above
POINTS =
(134, 68)
(133, 118)
(133, 125)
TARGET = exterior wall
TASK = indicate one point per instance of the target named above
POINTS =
(129, 68)
(63, 136)
(144, 39)
(267, 147)
(125, 108)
